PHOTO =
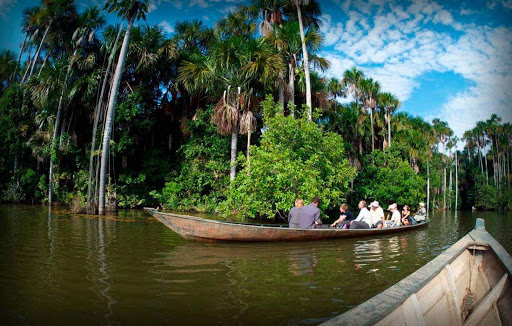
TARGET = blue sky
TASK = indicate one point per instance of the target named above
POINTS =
(444, 59)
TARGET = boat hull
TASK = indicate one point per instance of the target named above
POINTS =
(468, 284)
(199, 229)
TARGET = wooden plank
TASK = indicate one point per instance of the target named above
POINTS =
(487, 303)
(452, 292)
(412, 311)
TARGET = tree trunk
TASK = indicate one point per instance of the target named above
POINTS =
(434, 200)
(39, 49)
(291, 86)
(450, 186)
(444, 188)
(389, 128)
(15, 168)
(249, 132)
(234, 141)
(305, 63)
(44, 63)
(456, 182)
(110, 117)
(18, 63)
(281, 96)
(480, 158)
(486, 171)
(371, 123)
(97, 117)
(428, 186)
(53, 152)
(28, 63)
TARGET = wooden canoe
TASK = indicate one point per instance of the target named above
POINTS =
(468, 284)
(200, 229)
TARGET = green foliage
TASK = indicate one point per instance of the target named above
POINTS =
(22, 186)
(203, 176)
(386, 177)
(486, 196)
(296, 159)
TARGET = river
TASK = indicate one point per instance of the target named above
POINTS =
(62, 268)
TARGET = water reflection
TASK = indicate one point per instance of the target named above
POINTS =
(132, 269)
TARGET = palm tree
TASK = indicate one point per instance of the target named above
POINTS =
(443, 132)
(131, 10)
(7, 67)
(298, 4)
(335, 89)
(390, 104)
(234, 66)
(45, 16)
(110, 47)
(286, 40)
(370, 90)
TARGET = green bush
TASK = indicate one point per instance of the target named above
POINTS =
(486, 197)
(386, 177)
(296, 159)
(203, 176)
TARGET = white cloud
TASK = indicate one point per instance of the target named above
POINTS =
(166, 27)
(397, 45)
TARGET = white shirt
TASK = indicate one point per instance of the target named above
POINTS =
(364, 216)
(377, 215)
(395, 217)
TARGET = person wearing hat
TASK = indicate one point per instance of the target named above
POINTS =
(395, 215)
(377, 214)
(421, 214)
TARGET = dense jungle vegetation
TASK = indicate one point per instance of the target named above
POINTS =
(236, 119)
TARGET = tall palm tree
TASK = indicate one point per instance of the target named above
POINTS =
(443, 132)
(298, 4)
(389, 103)
(370, 90)
(234, 65)
(335, 89)
(130, 10)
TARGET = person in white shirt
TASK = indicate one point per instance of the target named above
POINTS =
(377, 214)
(396, 218)
(364, 219)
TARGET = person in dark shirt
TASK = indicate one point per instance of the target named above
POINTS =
(294, 215)
(345, 218)
(310, 215)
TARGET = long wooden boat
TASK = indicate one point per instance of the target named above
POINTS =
(468, 284)
(200, 229)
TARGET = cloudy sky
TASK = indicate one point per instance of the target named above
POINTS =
(444, 59)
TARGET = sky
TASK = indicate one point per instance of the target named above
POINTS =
(443, 59)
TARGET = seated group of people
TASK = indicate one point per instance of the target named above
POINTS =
(307, 217)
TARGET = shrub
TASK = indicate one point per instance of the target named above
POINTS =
(386, 177)
(296, 159)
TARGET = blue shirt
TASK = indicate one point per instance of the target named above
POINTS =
(308, 216)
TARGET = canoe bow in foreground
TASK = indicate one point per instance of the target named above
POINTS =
(437, 293)
(196, 228)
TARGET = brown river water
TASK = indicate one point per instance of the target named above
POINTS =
(61, 268)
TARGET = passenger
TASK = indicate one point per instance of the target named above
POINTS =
(364, 219)
(421, 214)
(396, 219)
(294, 215)
(345, 218)
(406, 216)
(377, 214)
(310, 215)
